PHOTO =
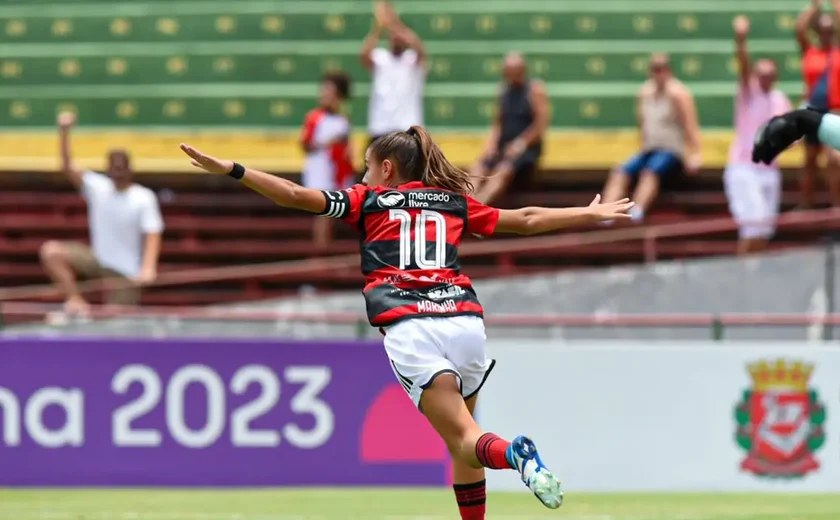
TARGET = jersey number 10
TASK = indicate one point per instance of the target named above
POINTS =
(420, 243)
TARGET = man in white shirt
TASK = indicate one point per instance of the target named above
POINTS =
(398, 74)
(125, 230)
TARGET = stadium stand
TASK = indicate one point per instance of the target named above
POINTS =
(237, 78)
(238, 66)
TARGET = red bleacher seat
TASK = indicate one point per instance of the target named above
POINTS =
(214, 226)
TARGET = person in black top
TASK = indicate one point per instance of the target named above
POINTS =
(515, 142)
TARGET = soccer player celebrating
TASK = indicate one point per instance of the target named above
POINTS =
(412, 212)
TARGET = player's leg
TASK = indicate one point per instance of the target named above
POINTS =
(469, 483)
(65, 263)
(443, 405)
(462, 340)
(434, 385)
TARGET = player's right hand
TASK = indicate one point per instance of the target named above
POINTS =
(611, 210)
(207, 163)
(66, 120)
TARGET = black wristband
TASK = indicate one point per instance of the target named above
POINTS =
(237, 172)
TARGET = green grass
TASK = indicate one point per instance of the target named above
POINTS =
(398, 504)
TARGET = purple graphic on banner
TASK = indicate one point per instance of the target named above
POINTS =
(206, 413)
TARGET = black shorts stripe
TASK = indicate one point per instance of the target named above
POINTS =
(483, 380)
(406, 382)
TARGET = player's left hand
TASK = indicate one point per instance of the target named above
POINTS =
(207, 163)
(611, 210)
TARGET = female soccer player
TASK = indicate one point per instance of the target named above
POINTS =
(412, 212)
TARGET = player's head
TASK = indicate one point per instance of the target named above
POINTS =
(766, 73)
(514, 68)
(401, 157)
(824, 27)
(397, 43)
(335, 89)
(660, 69)
(119, 166)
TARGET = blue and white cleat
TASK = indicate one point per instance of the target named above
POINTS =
(522, 455)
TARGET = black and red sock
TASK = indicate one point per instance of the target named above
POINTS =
(490, 451)
(472, 500)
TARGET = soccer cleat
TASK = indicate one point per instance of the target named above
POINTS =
(522, 455)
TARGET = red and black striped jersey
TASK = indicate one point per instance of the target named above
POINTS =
(409, 237)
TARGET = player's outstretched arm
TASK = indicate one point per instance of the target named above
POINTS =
(532, 220)
(281, 191)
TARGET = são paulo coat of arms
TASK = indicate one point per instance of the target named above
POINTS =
(780, 420)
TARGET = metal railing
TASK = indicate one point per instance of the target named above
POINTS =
(717, 324)
(504, 248)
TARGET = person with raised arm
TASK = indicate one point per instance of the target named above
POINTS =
(753, 190)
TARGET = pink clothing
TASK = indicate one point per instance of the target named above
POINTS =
(753, 108)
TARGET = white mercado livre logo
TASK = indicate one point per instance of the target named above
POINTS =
(421, 199)
(391, 199)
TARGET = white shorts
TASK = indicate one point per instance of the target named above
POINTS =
(754, 194)
(421, 349)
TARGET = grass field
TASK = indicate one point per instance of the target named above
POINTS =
(397, 504)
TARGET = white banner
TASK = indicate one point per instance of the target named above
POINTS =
(682, 417)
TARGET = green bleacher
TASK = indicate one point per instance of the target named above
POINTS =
(156, 63)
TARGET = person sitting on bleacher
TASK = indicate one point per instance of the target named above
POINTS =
(670, 136)
(398, 74)
(125, 230)
(515, 144)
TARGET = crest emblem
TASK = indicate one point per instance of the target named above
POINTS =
(780, 420)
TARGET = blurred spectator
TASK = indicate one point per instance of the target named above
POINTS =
(670, 136)
(325, 139)
(514, 146)
(398, 74)
(753, 189)
(821, 74)
(120, 214)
